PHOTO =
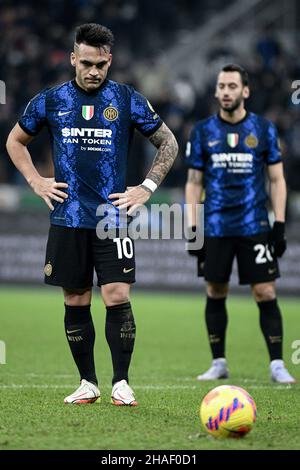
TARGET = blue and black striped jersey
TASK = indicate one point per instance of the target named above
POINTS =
(90, 136)
(233, 159)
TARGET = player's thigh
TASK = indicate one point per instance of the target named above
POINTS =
(69, 258)
(219, 255)
(255, 262)
(114, 260)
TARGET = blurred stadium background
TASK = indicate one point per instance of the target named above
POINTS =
(171, 51)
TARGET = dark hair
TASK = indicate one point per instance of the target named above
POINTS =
(240, 70)
(94, 34)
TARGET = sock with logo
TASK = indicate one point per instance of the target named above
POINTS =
(120, 335)
(216, 322)
(271, 326)
(80, 334)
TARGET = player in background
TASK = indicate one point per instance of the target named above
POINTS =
(227, 156)
(91, 121)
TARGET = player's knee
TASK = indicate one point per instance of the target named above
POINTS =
(77, 297)
(217, 291)
(115, 294)
(263, 292)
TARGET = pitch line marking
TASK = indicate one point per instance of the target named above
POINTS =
(142, 387)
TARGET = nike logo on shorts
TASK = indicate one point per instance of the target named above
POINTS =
(125, 271)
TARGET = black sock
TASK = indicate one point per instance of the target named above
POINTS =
(120, 335)
(271, 326)
(80, 334)
(216, 322)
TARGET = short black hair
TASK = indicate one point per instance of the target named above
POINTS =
(94, 34)
(237, 68)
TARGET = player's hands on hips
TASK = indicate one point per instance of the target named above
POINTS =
(48, 189)
(278, 238)
(133, 197)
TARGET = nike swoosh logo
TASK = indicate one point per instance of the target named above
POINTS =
(213, 143)
(272, 271)
(127, 270)
(72, 331)
(62, 113)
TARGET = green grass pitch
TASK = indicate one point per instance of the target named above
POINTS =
(171, 349)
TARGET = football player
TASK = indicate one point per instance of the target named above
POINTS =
(228, 155)
(91, 120)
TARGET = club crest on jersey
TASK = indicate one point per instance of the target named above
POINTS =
(232, 140)
(251, 141)
(87, 112)
(111, 113)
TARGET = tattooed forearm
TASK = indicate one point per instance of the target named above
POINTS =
(167, 146)
(195, 176)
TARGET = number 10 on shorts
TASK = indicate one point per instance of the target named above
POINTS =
(124, 247)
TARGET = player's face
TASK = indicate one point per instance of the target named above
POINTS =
(230, 91)
(91, 64)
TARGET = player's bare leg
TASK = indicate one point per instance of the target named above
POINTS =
(80, 334)
(271, 325)
(77, 297)
(216, 290)
(216, 322)
(120, 334)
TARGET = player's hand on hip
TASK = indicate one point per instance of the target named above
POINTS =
(278, 239)
(48, 189)
(132, 198)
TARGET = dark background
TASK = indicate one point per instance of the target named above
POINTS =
(36, 40)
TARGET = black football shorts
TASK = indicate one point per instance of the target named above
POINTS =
(254, 259)
(73, 254)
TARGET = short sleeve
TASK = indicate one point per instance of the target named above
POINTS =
(34, 116)
(273, 152)
(193, 154)
(143, 116)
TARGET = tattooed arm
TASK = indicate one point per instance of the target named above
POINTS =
(167, 148)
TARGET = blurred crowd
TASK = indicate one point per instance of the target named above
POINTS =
(34, 53)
